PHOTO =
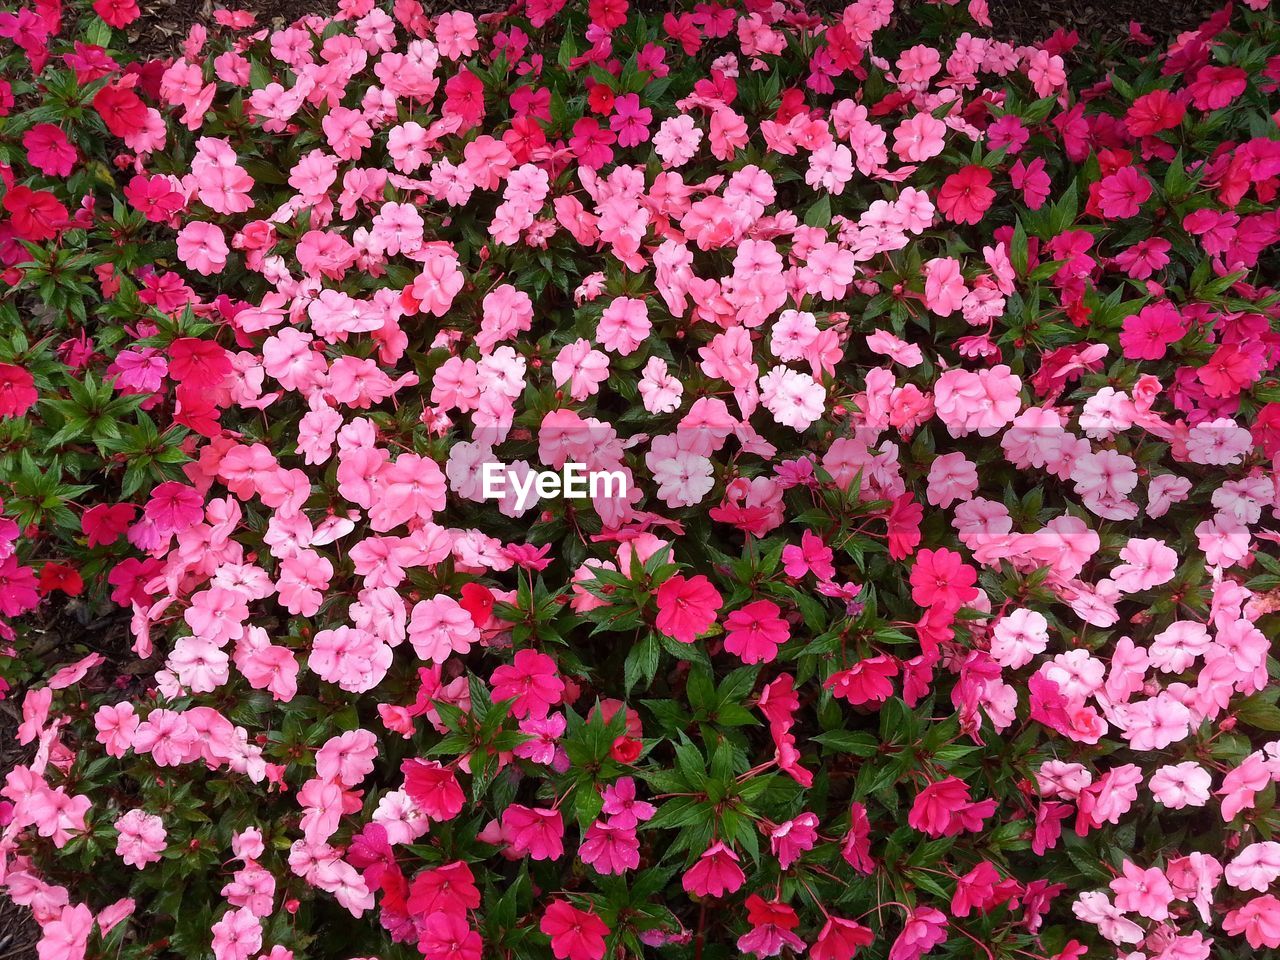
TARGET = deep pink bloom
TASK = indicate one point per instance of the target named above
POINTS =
(686, 606)
(17, 390)
(575, 934)
(434, 788)
(966, 195)
(754, 632)
(532, 680)
(716, 873)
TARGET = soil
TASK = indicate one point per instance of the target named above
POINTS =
(1027, 21)
(164, 23)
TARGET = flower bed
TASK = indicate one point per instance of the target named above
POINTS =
(918, 594)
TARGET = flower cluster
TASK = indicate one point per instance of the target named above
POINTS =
(924, 605)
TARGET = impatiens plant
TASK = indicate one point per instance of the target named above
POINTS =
(592, 483)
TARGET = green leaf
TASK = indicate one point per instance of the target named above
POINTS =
(819, 215)
(1259, 713)
(857, 742)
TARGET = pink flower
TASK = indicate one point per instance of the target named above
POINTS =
(203, 247)
(622, 807)
(1123, 193)
(944, 809)
(49, 150)
(448, 889)
(755, 631)
(919, 138)
(716, 873)
(67, 937)
(1145, 892)
(772, 924)
(867, 681)
(925, 929)
(237, 936)
(624, 325)
(575, 934)
(439, 627)
(985, 401)
(630, 121)
(610, 848)
(686, 607)
(1018, 637)
(448, 936)
(1258, 920)
(790, 840)
(1181, 785)
(979, 889)
(1148, 334)
(536, 833)
(173, 507)
(1154, 112)
(1147, 563)
(1031, 179)
(580, 368)
(142, 838)
(116, 726)
(952, 477)
(532, 681)
(840, 940)
(941, 578)
(811, 556)
(944, 288)
(17, 390)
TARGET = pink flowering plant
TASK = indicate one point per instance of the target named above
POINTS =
(920, 598)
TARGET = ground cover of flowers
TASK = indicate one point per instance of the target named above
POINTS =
(936, 616)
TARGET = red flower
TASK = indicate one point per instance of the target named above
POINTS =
(104, 523)
(58, 576)
(447, 889)
(477, 600)
(121, 110)
(434, 788)
(904, 526)
(771, 926)
(966, 195)
(17, 391)
(686, 607)
(35, 214)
